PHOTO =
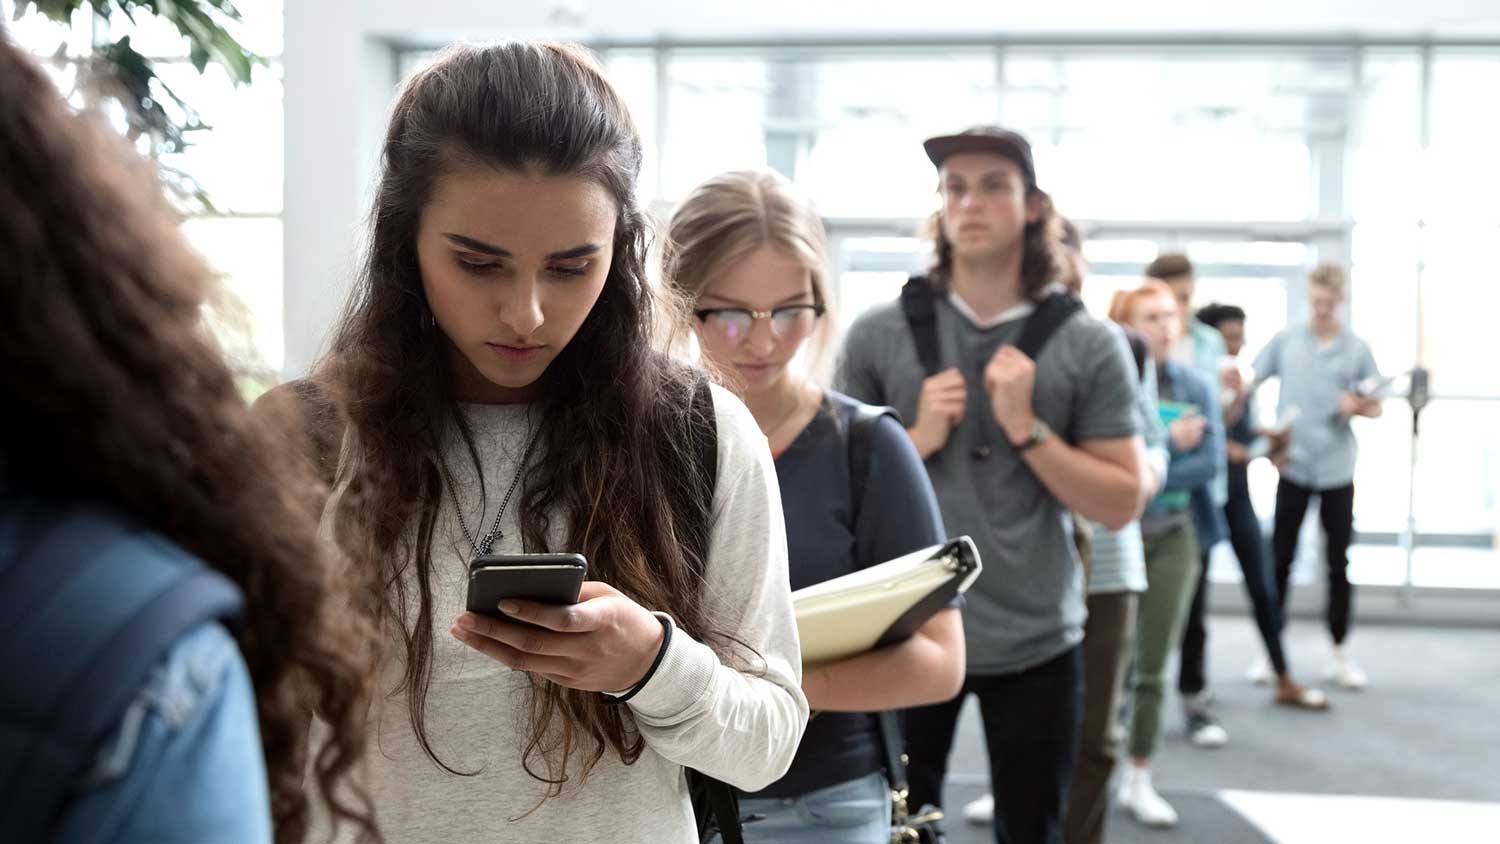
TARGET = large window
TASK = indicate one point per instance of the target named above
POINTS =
(237, 162)
(1258, 162)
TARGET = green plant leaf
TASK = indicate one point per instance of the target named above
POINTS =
(118, 71)
(57, 11)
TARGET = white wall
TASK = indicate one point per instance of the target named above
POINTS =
(339, 76)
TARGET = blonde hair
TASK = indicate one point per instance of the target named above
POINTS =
(733, 214)
(1123, 303)
(1330, 277)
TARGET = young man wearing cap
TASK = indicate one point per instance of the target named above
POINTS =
(1201, 349)
(1012, 444)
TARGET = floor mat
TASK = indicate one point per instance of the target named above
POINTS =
(1203, 819)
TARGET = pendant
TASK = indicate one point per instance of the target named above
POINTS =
(489, 543)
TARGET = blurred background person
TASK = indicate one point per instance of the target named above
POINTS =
(175, 620)
(1329, 374)
(1169, 528)
(1199, 348)
(751, 257)
(1244, 439)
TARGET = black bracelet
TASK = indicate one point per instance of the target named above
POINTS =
(661, 653)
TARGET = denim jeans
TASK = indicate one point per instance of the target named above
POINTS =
(853, 812)
(185, 762)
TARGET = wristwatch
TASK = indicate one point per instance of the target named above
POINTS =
(1037, 434)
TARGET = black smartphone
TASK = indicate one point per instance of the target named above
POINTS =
(546, 578)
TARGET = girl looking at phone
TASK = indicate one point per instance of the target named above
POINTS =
(500, 395)
(752, 258)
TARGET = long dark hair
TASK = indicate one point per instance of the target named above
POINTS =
(1041, 256)
(617, 441)
(112, 387)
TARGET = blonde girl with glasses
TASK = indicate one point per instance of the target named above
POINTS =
(751, 256)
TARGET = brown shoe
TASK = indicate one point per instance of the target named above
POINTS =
(1301, 697)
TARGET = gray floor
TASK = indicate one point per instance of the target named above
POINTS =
(1428, 726)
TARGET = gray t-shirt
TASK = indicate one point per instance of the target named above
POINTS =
(1314, 377)
(1027, 606)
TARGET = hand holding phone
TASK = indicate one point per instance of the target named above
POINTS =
(1187, 430)
(605, 642)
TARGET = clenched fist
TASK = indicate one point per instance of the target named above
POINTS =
(1009, 378)
(939, 410)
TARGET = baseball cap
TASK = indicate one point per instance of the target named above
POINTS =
(989, 139)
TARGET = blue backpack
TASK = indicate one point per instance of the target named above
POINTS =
(90, 603)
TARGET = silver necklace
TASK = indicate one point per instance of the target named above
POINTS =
(485, 543)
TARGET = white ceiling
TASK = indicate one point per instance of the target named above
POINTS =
(762, 20)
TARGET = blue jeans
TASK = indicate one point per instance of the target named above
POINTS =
(853, 812)
(185, 762)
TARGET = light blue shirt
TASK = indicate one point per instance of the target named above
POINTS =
(1314, 377)
(1192, 471)
(1202, 354)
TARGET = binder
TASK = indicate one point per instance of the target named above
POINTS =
(883, 604)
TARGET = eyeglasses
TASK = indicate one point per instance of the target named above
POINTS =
(788, 322)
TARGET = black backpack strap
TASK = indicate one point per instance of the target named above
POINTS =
(919, 304)
(893, 746)
(1050, 314)
(322, 424)
(862, 423)
(725, 805)
(78, 654)
(861, 442)
(1138, 351)
(715, 805)
(706, 431)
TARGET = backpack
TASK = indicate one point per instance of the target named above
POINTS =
(716, 806)
(919, 305)
(925, 827)
(90, 603)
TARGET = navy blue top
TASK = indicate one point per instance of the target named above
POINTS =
(827, 536)
(1243, 431)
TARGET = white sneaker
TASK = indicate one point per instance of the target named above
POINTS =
(1260, 672)
(1345, 672)
(1139, 798)
(1204, 730)
(980, 812)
